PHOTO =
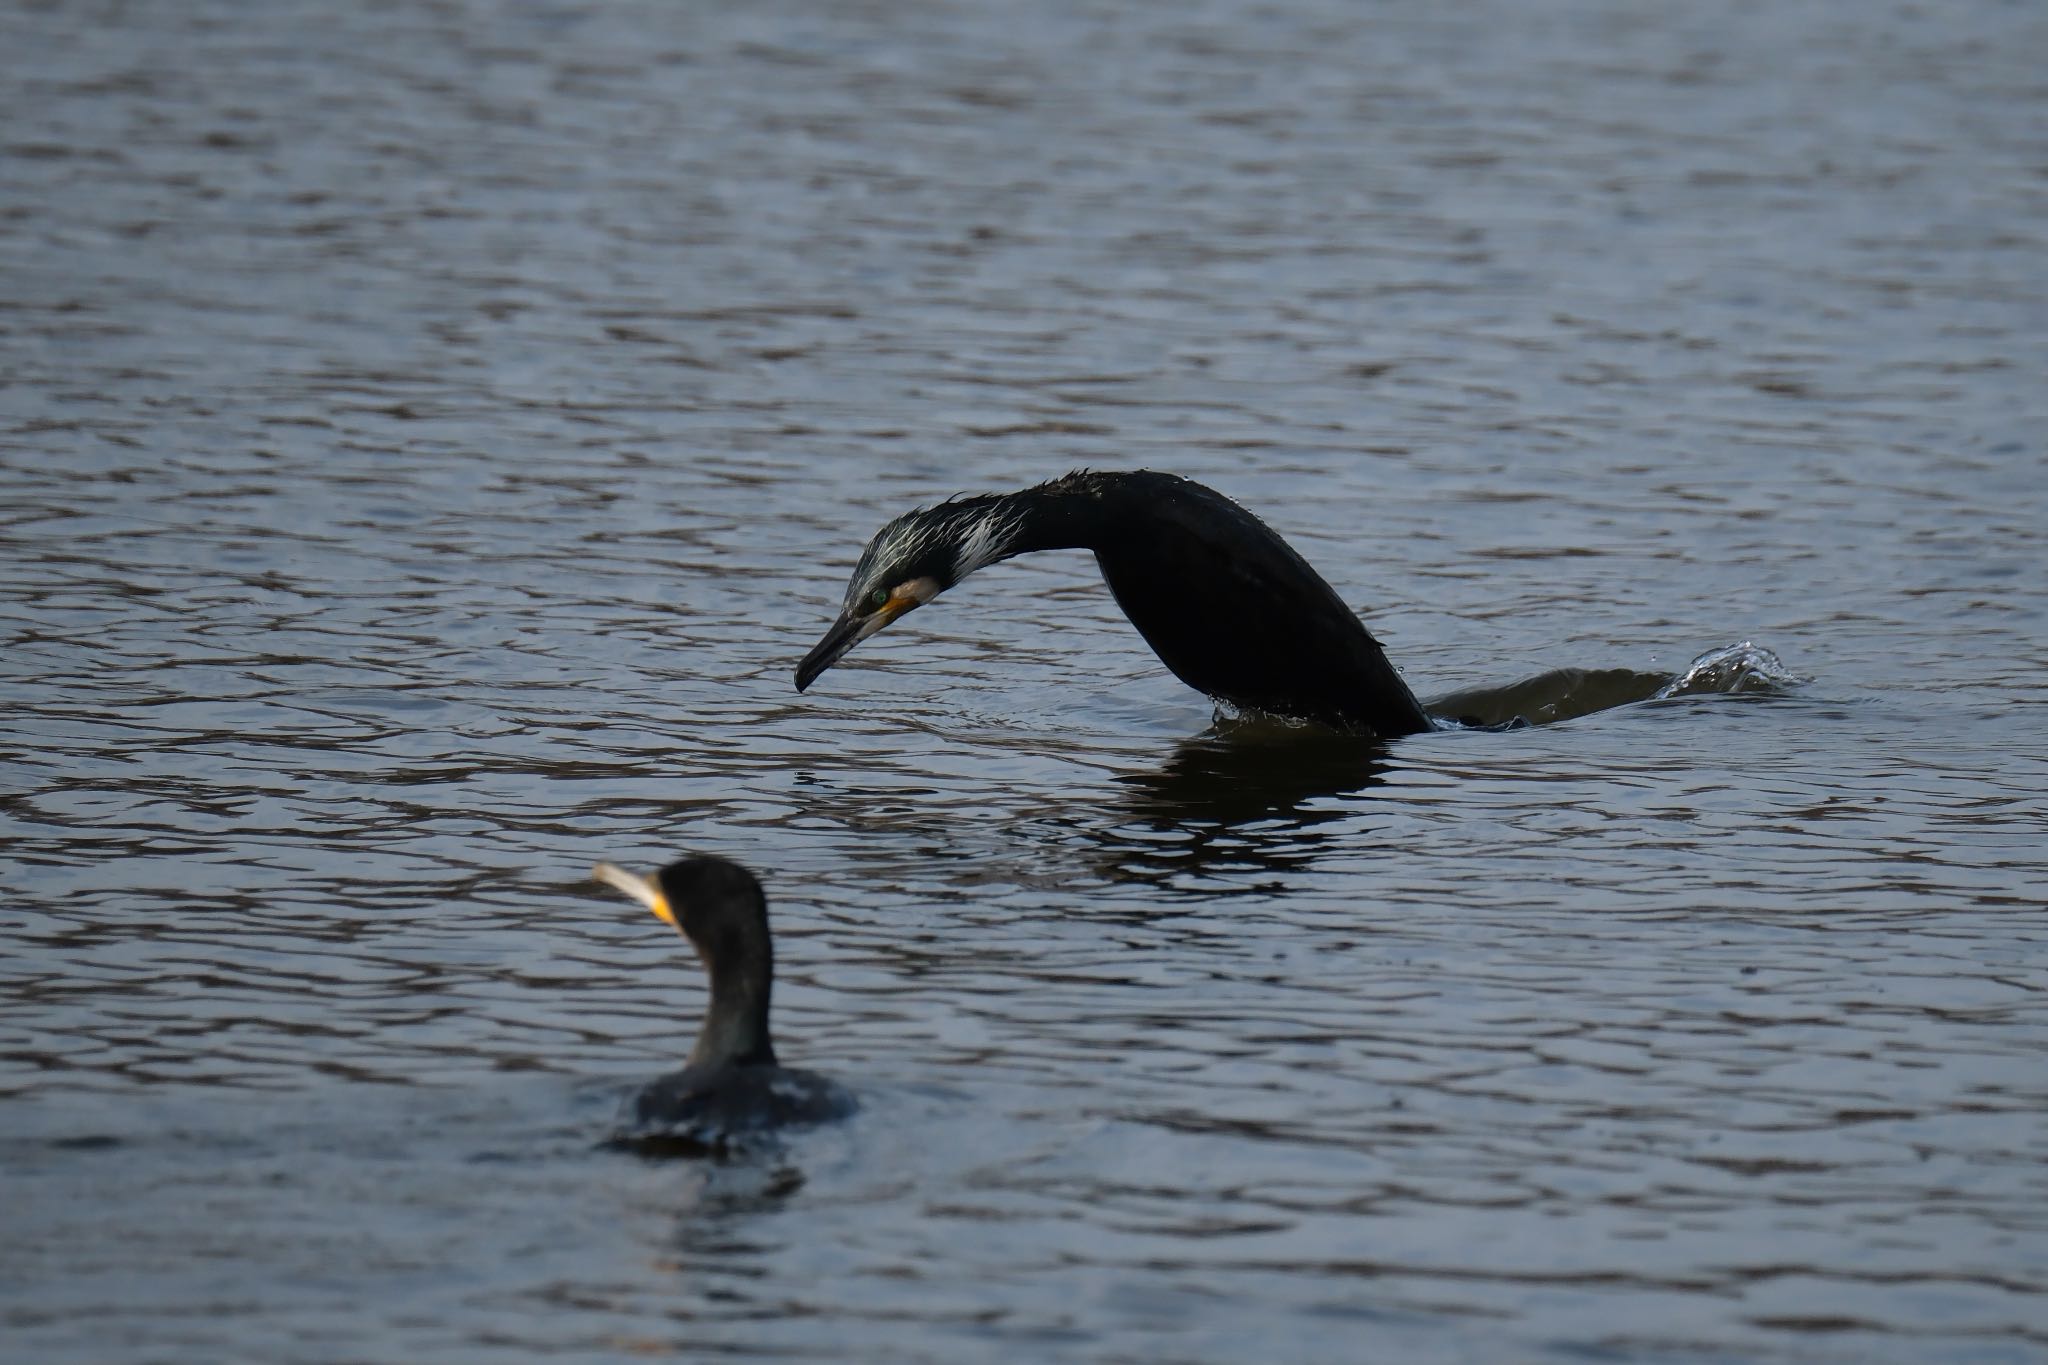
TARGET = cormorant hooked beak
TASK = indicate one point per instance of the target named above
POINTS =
(849, 630)
(642, 889)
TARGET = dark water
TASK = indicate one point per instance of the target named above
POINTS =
(431, 433)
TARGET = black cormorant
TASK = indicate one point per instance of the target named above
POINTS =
(731, 1085)
(1225, 603)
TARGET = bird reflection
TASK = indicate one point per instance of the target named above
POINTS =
(1242, 773)
(1241, 798)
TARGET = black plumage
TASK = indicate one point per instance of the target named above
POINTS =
(1227, 605)
(731, 1085)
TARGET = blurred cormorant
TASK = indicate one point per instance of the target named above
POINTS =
(731, 1084)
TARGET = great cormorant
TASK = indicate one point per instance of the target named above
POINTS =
(1227, 604)
(731, 1085)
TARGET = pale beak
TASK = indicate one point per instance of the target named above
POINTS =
(640, 888)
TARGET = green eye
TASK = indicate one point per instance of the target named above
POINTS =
(878, 599)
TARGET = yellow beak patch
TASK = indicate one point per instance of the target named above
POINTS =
(642, 889)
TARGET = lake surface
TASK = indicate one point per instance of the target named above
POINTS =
(430, 434)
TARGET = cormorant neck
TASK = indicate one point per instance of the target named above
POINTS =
(1072, 513)
(735, 1029)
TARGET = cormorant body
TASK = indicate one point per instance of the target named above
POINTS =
(1226, 604)
(731, 1085)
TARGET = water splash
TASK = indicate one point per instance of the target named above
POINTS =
(1568, 693)
(1740, 668)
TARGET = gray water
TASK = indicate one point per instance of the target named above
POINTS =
(431, 433)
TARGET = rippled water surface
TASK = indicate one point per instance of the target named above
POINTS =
(431, 433)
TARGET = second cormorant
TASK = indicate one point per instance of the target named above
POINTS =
(731, 1086)
(1226, 604)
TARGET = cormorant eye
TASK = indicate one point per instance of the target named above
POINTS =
(878, 599)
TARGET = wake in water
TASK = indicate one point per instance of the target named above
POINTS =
(1567, 693)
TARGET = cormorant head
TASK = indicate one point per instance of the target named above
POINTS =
(909, 562)
(716, 904)
(719, 907)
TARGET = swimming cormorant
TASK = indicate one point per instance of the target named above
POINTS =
(731, 1084)
(1225, 603)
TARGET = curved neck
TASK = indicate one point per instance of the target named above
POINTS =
(1073, 513)
(735, 1028)
(1062, 522)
